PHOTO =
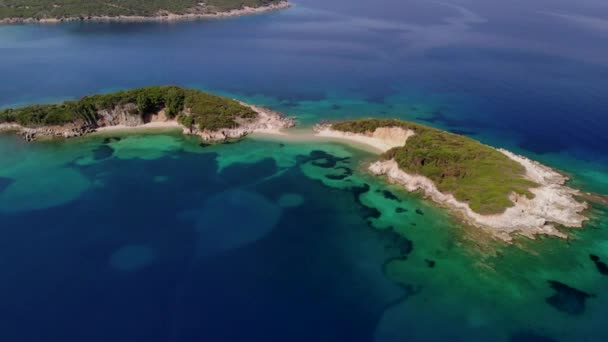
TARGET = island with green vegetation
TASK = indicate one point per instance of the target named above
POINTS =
(456, 164)
(213, 118)
(494, 189)
(490, 188)
(49, 11)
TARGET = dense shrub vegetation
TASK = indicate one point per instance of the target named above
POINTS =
(473, 172)
(84, 8)
(191, 107)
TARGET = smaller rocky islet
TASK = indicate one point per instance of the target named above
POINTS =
(490, 188)
(459, 165)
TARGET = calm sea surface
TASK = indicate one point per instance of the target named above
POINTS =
(155, 237)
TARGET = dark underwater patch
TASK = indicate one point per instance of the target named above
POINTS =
(530, 337)
(398, 247)
(325, 160)
(389, 195)
(600, 265)
(419, 212)
(103, 152)
(397, 242)
(366, 211)
(110, 140)
(567, 299)
(336, 107)
(4, 183)
(430, 263)
(336, 177)
(203, 145)
(400, 210)
(347, 172)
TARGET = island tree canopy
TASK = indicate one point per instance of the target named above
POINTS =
(473, 172)
(190, 107)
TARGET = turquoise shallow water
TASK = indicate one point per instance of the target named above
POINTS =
(286, 240)
(154, 237)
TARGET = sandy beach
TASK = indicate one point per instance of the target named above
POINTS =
(149, 125)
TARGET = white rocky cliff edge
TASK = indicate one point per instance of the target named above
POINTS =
(122, 118)
(267, 121)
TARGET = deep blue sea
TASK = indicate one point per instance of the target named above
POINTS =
(155, 237)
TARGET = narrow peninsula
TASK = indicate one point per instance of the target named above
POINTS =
(490, 188)
(211, 117)
(54, 11)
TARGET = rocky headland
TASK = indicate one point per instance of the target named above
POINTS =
(551, 204)
(212, 118)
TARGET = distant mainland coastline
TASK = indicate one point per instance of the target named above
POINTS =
(49, 12)
(492, 189)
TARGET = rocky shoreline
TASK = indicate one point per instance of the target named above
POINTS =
(164, 16)
(267, 121)
(553, 203)
(120, 118)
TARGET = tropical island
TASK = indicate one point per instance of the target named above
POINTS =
(493, 189)
(52, 11)
(211, 117)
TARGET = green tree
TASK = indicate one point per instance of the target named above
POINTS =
(144, 104)
(174, 102)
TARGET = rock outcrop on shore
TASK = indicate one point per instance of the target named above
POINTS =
(553, 202)
(267, 121)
